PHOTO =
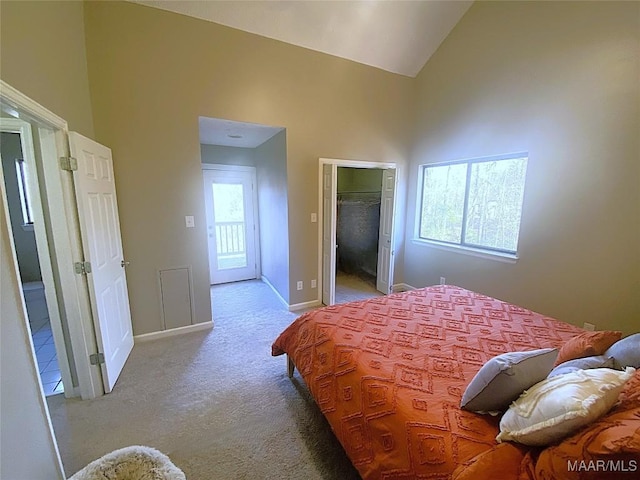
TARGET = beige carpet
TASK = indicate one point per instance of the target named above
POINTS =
(350, 288)
(215, 402)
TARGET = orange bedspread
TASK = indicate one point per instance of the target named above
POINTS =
(388, 373)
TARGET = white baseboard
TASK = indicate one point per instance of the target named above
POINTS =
(295, 306)
(303, 305)
(146, 337)
(402, 287)
(266, 280)
(72, 392)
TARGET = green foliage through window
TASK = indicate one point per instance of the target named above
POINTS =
(475, 203)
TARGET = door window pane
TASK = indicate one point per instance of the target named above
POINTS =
(228, 204)
(228, 208)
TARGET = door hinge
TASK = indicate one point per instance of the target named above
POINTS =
(96, 358)
(68, 163)
(82, 268)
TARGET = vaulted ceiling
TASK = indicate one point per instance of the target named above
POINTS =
(395, 35)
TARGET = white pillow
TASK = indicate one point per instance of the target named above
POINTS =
(557, 406)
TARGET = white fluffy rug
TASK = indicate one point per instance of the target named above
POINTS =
(131, 463)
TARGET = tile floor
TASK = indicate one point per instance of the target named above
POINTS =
(43, 338)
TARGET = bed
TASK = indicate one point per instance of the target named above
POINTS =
(388, 373)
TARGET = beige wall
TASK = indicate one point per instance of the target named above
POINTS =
(152, 73)
(28, 446)
(271, 163)
(44, 56)
(558, 80)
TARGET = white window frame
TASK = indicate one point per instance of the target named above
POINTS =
(23, 191)
(468, 249)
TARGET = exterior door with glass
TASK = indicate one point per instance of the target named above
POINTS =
(230, 201)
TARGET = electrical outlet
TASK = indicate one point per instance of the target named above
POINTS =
(314, 283)
(589, 326)
(442, 281)
(299, 285)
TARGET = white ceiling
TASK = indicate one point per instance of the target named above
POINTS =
(398, 36)
(395, 35)
(215, 131)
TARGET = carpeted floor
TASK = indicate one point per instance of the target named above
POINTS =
(350, 288)
(215, 402)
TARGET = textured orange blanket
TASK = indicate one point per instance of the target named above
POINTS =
(389, 372)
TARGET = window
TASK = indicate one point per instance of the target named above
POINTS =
(21, 171)
(473, 203)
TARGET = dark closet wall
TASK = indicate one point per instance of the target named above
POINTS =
(358, 221)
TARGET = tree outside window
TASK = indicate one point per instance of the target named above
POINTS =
(475, 203)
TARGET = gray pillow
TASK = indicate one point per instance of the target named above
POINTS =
(503, 378)
(585, 363)
(626, 352)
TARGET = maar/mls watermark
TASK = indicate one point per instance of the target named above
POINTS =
(621, 466)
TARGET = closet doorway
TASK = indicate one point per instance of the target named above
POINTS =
(359, 193)
(357, 206)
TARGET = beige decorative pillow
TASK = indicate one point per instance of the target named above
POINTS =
(556, 407)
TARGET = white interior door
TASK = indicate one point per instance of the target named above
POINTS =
(102, 244)
(384, 282)
(329, 214)
(231, 224)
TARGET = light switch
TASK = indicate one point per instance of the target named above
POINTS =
(189, 221)
(314, 217)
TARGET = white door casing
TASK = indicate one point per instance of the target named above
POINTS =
(43, 244)
(329, 220)
(232, 242)
(384, 281)
(102, 245)
(327, 199)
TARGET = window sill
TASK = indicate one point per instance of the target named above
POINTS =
(474, 252)
(27, 227)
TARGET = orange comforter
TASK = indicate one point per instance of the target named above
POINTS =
(388, 373)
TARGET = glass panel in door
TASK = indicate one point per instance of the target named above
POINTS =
(230, 225)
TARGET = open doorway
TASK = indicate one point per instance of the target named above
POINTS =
(246, 161)
(59, 166)
(31, 246)
(359, 193)
(357, 208)
(16, 170)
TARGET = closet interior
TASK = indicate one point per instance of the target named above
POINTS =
(358, 222)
